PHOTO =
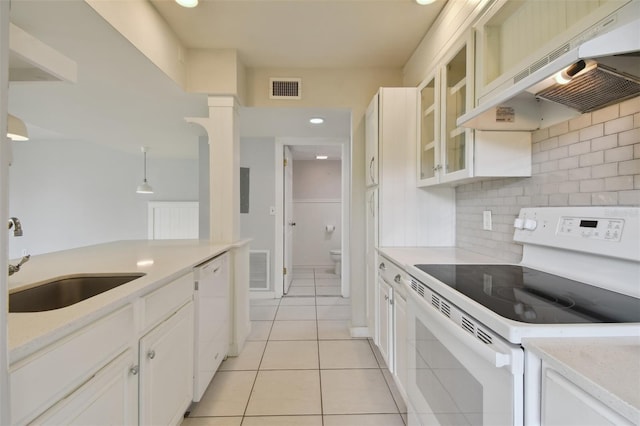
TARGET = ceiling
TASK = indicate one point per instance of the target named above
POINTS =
(305, 33)
(124, 101)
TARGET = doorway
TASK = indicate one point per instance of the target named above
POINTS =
(326, 230)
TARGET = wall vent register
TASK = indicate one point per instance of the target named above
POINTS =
(285, 88)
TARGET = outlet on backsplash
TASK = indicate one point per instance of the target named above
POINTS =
(486, 220)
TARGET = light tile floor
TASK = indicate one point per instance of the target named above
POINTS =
(300, 367)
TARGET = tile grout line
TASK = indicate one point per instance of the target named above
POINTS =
(244, 413)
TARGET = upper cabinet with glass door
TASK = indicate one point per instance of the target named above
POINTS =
(444, 148)
(428, 148)
(452, 154)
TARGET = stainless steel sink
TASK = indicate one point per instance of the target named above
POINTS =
(62, 292)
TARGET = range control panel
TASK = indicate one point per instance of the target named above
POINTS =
(593, 228)
(606, 231)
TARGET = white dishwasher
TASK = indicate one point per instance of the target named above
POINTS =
(211, 320)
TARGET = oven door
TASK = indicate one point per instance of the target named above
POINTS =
(455, 378)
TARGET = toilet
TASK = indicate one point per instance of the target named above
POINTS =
(336, 257)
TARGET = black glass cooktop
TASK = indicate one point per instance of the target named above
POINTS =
(531, 296)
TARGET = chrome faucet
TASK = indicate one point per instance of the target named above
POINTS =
(15, 268)
(17, 226)
(17, 232)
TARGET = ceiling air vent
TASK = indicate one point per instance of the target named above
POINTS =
(285, 88)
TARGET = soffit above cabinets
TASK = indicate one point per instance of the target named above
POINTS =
(32, 60)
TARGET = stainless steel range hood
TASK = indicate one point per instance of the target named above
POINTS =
(535, 100)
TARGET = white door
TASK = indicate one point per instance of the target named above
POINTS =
(289, 224)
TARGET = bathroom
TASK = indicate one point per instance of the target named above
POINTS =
(317, 208)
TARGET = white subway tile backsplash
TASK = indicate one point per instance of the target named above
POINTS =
(549, 144)
(556, 153)
(618, 183)
(568, 163)
(580, 122)
(559, 129)
(569, 138)
(605, 142)
(593, 159)
(629, 198)
(580, 173)
(621, 124)
(604, 170)
(604, 199)
(580, 148)
(592, 185)
(569, 187)
(631, 167)
(629, 137)
(606, 114)
(539, 135)
(630, 106)
(581, 199)
(623, 153)
(591, 132)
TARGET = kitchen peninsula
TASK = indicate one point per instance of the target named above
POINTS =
(64, 360)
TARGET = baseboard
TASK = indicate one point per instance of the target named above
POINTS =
(261, 294)
(359, 332)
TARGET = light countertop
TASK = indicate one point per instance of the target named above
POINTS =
(409, 256)
(162, 261)
(607, 368)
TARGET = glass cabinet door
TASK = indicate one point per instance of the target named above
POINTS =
(455, 101)
(428, 154)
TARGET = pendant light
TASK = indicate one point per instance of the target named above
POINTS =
(16, 129)
(144, 187)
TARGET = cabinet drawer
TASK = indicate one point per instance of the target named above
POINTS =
(163, 302)
(49, 375)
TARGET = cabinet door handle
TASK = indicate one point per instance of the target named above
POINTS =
(382, 266)
(151, 354)
(371, 169)
(134, 370)
(386, 297)
(397, 278)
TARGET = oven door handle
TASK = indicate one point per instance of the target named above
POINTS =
(451, 330)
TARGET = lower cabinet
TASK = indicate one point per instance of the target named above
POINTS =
(400, 340)
(108, 398)
(385, 322)
(166, 369)
(566, 404)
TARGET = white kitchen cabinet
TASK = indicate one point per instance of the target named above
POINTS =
(452, 154)
(385, 321)
(566, 404)
(399, 214)
(400, 327)
(371, 224)
(54, 373)
(371, 142)
(166, 369)
(110, 397)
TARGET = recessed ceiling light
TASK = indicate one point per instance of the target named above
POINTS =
(316, 120)
(425, 2)
(187, 3)
(321, 157)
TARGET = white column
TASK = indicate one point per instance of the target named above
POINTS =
(222, 127)
(224, 168)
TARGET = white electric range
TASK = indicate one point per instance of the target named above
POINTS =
(579, 276)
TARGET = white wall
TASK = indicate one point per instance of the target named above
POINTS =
(258, 154)
(316, 197)
(69, 194)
